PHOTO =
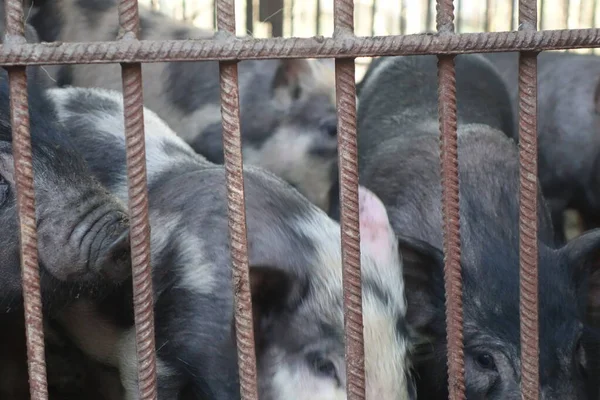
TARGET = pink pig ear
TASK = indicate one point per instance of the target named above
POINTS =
(376, 234)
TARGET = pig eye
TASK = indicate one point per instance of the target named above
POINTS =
(486, 361)
(3, 189)
(322, 366)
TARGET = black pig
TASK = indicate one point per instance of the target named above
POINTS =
(399, 160)
(568, 131)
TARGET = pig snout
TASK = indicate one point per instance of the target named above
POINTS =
(97, 244)
(113, 254)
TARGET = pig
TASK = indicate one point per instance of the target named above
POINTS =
(568, 131)
(287, 107)
(82, 229)
(295, 273)
(399, 161)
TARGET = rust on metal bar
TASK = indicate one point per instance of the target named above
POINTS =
(236, 49)
(236, 206)
(345, 87)
(450, 207)
(528, 249)
(143, 297)
(23, 162)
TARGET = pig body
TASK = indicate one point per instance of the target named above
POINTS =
(568, 130)
(295, 272)
(82, 230)
(287, 107)
(399, 160)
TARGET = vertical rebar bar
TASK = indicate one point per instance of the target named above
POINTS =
(349, 220)
(232, 145)
(143, 297)
(23, 162)
(450, 207)
(528, 251)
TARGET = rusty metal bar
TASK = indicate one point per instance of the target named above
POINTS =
(143, 300)
(345, 88)
(528, 249)
(23, 161)
(450, 207)
(237, 49)
(236, 205)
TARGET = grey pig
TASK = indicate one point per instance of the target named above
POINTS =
(399, 160)
(287, 107)
(295, 272)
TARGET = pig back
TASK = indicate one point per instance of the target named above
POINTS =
(402, 92)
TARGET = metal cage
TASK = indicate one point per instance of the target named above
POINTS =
(344, 46)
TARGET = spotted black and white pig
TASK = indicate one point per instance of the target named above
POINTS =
(295, 271)
(399, 149)
(288, 117)
(82, 230)
(568, 130)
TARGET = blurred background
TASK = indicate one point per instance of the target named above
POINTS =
(305, 18)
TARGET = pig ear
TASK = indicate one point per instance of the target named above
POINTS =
(583, 257)
(273, 291)
(288, 76)
(376, 234)
(422, 266)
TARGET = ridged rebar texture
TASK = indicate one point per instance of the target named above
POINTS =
(345, 87)
(232, 147)
(450, 207)
(143, 300)
(528, 249)
(23, 161)
(234, 49)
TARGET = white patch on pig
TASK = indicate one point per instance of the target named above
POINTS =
(157, 132)
(196, 271)
(128, 366)
(287, 154)
(386, 358)
(93, 335)
(298, 382)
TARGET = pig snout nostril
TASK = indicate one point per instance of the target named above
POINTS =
(116, 262)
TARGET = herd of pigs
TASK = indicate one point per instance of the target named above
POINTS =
(289, 140)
